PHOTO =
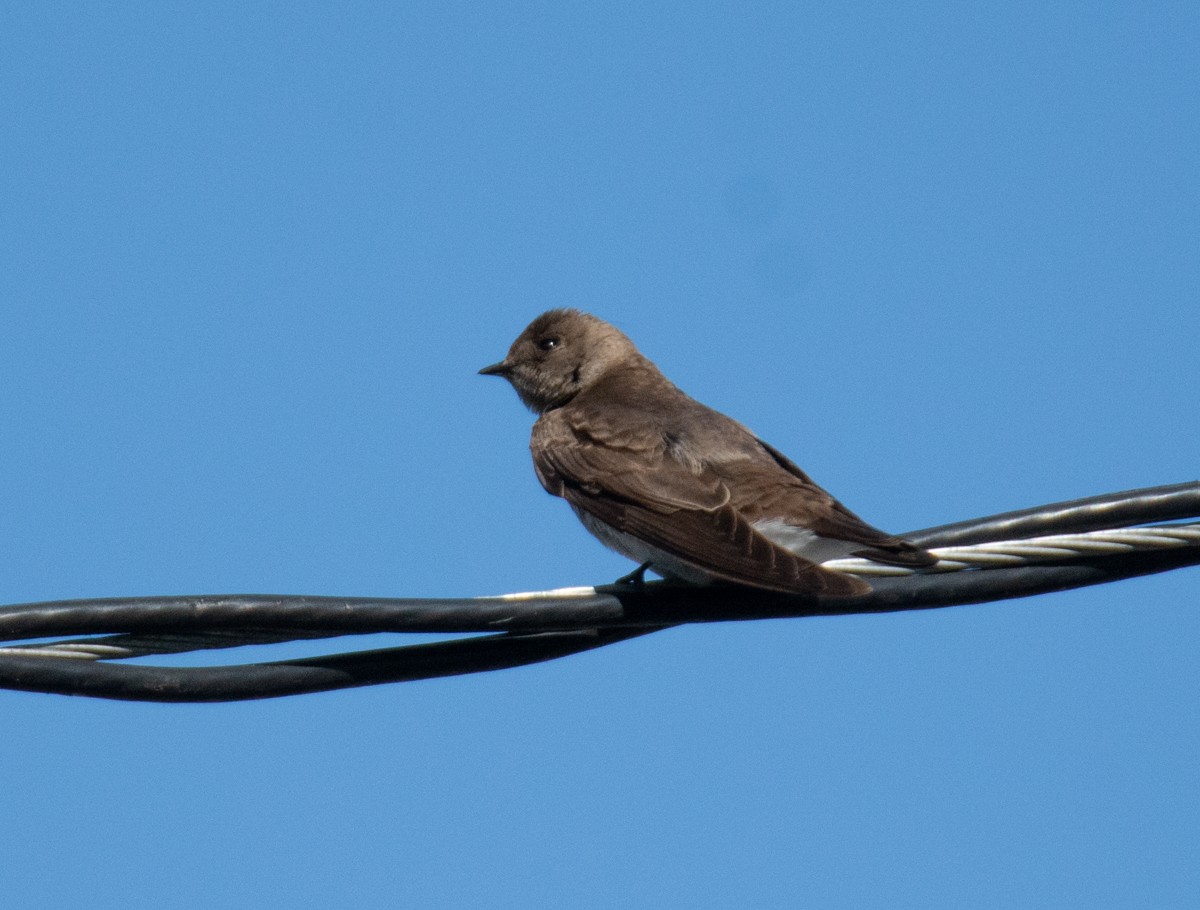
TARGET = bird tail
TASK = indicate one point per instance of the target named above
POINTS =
(896, 551)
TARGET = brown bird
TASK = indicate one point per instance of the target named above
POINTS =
(671, 483)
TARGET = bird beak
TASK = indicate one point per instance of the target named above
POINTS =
(496, 369)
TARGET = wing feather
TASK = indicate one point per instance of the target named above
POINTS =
(815, 509)
(625, 476)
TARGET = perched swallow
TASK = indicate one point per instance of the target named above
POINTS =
(665, 480)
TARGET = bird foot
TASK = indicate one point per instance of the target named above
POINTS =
(636, 578)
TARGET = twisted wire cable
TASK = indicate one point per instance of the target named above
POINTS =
(1016, 554)
(1047, 548)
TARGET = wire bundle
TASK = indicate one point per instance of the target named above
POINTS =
(1015, 554)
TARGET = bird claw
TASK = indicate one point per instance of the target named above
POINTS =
(636, 578)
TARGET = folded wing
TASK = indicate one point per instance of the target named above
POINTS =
(760, 495)
(625, 476)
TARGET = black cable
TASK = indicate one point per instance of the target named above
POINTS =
(353, 615)
(544, 626)
(1112, 510)
(129, 682)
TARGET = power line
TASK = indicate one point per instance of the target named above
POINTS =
(1016, 554)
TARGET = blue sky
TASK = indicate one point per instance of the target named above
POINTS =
(944, 256)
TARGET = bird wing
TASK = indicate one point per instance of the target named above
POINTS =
(623, 473)
(759, 493)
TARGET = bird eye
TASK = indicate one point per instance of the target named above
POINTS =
(548, 343)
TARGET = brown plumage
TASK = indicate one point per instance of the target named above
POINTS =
(663, 479)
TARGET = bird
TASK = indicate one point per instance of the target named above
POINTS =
(672, 484)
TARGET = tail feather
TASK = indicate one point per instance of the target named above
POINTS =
(896, 551)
